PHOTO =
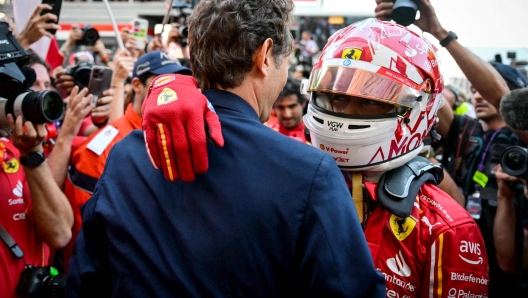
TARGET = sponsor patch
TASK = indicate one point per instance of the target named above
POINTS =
(322, 146)
(402, 227)
(164, 80)
(11, 166)
(167, 96)
(352, 53)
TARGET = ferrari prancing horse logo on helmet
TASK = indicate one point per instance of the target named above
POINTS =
(352, 53)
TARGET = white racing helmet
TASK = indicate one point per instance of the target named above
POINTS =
(383, 62)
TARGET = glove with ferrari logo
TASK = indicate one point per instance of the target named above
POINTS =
(177, 122)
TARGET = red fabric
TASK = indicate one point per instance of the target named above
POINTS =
(16, 216)
(90, 164)
(296, 133)
(86, 122)
(436, 252)
(180, 150)
(54, 58)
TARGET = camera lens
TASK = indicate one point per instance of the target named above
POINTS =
(52, 106)
(37, 107)
(54, 286)
(404, 12)
(82, 77)
(513, 161)
(91, 36)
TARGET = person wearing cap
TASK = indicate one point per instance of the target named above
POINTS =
(89, 160)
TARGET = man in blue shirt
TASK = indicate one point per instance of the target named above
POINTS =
(272, 217)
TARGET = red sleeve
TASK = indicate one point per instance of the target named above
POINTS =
(87, 122)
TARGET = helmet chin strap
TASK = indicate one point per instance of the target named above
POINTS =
(374, 173)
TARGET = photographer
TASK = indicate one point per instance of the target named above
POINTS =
(86, 37)
(34, 210)
(510, 231)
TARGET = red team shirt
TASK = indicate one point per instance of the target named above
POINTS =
(295, 133)
(438, 251)
(17, 219)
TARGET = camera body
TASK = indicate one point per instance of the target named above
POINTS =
(16, 78)
(90, 36)
(81, 73)
(514, 161)
(41, 282)
(404, 11)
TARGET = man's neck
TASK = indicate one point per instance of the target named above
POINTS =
(495, 123)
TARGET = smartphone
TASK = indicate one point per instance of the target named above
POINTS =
(100, 80)
(55, 9)
(139, 31)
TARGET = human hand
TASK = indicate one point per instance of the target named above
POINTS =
(37, 26)
(27, 137)
(429, 22)
(76, 34)
(63, 83)
(78, 108)
(123, 65)
(99, 47)
(184, 124)
(383, 10)
(155, 44)
(503, 180)
(131, 46)
(103, 108)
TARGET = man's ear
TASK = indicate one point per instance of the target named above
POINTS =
(136, 85)
(263, 57)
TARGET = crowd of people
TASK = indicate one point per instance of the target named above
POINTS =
(249, 164)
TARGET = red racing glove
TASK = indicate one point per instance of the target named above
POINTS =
(177, 121)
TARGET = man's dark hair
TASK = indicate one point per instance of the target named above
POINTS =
(292, 88)
(224, 35)
(513, 107)
(34, 58)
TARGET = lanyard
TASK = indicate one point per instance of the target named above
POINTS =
(488, 145)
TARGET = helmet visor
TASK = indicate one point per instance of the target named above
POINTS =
(365, 84)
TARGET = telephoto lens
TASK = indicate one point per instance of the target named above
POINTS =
(37, 107)
(513, 161)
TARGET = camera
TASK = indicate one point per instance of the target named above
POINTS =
(404, 11)
(16, 79)
(81, 73)
(514, 160)
(90, 36)
(41, 282)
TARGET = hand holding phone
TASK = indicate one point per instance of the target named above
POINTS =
(100, 80)
(55, 9)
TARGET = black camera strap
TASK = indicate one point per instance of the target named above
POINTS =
(11, 244)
